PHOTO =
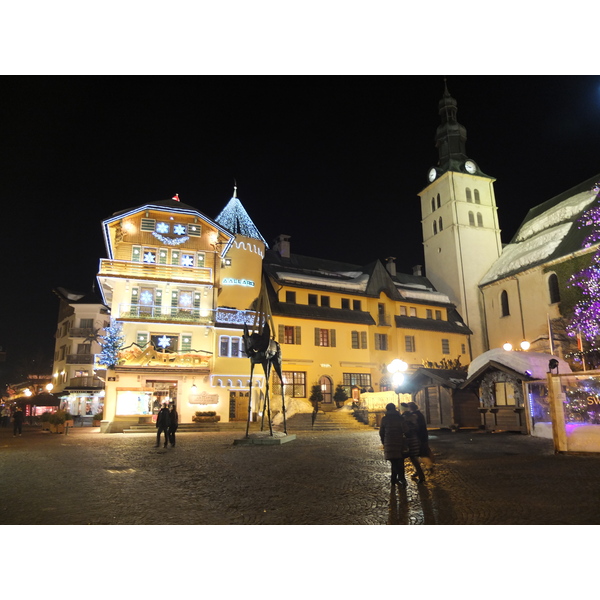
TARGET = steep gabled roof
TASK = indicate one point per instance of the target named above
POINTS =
(549, 232)
(234, 218)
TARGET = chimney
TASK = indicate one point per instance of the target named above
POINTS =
(417, 270)
(390, 265)
(282, 245)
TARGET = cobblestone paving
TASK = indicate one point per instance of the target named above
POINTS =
(321, 478)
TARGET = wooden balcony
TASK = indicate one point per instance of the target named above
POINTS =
(153, 272)
(164, 314)
(80, 332)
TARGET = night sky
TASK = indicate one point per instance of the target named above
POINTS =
(336, 162)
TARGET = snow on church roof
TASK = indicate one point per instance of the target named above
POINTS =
(540, 236)
(235, 219)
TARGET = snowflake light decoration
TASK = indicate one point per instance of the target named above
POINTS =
(185, 299)
(162, 227)
(164, 342)
(179, 229)
(149, 257)
(146, 297)
(187, 260)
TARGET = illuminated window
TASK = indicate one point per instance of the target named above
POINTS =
(294, 382)
(289, 334)
(324, 337)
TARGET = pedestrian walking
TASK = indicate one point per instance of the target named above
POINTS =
(392, 436)
(18, 417)
(173, 424)
(412, 440)
(5, 414)
(162, 425)
(425, 453)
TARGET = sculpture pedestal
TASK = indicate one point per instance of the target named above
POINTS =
(263, 438)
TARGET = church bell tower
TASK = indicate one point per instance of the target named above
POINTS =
(461, 234)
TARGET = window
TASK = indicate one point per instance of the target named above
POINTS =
(187, 260)
(86, 323)
(409, 343)
(84, 348)
(477, 199)
(505, 310)
(290, 297)
(325, 301)
(445, 346)
(356, 305)
(186, 342)
(362, 380)
(359, 340)
(175, 257)
(433, 205)
(413, 311)
(441, 225)
(438, 315)
(294, 383)
(324, 337)
(381, 341)
(346, 303)
(438, 201)
(463, 349)
(289, 334)
(471, 219)
(165, 343)
(149, 256)
(479, 220)
(504, 394)
(434, 227)
(231, 346)
(553, 289)
(200, 256)
(403, 312)
(313, 299)
(429, 313)
(469, 196)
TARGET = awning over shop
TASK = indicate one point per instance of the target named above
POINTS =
(40, 400)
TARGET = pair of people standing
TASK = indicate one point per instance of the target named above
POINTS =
(398, 434)
(167, 422)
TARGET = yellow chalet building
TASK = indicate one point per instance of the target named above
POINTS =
(179, 284)
(343, 324)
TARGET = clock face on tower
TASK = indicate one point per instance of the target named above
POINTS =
(470, 167)
(432, 174)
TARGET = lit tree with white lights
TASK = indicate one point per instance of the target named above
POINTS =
(111, 342)
(585, 322)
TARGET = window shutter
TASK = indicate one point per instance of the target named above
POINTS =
(317, 336)
(297, 336)
(363, 339)
(332, 338)
(157, 302)
(354, 340)
(174, 301)
(136, 254)
(174, 257)
(194, 230)
(376, 341)
(186, 342)
(163, 255)
(281, 333)
(197, 298)
(148, 224)
(142, 338)
(135, 296)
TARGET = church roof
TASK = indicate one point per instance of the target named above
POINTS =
(549, 232)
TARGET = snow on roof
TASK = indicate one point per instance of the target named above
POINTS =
(540, 236)
(533, 364)
(358, 283)
(423, 295)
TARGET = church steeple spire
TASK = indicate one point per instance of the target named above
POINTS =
(451, 136)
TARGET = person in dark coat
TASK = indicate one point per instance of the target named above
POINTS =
(412, 440)
(162, 425)
(425, 452)
(173, 424)
(18, 417)
(391, 432)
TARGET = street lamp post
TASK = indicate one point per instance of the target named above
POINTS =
(397, 368)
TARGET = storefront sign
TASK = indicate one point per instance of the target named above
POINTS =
(203, 398)
(232, 281)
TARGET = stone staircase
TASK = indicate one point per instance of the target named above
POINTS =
(334, 420)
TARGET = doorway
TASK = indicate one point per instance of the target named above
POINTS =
(327, 389)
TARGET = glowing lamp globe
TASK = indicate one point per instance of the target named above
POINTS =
(507, 346)
(525, 345)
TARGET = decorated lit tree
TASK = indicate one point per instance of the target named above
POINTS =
(111, 342)
(585, 322)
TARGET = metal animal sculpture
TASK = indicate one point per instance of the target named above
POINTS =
(262, 350)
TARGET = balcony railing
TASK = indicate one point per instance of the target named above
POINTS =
(165, 314)
(86, 382)
(383, 320)
(80, 359)
(80, 332)
(135, 270)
